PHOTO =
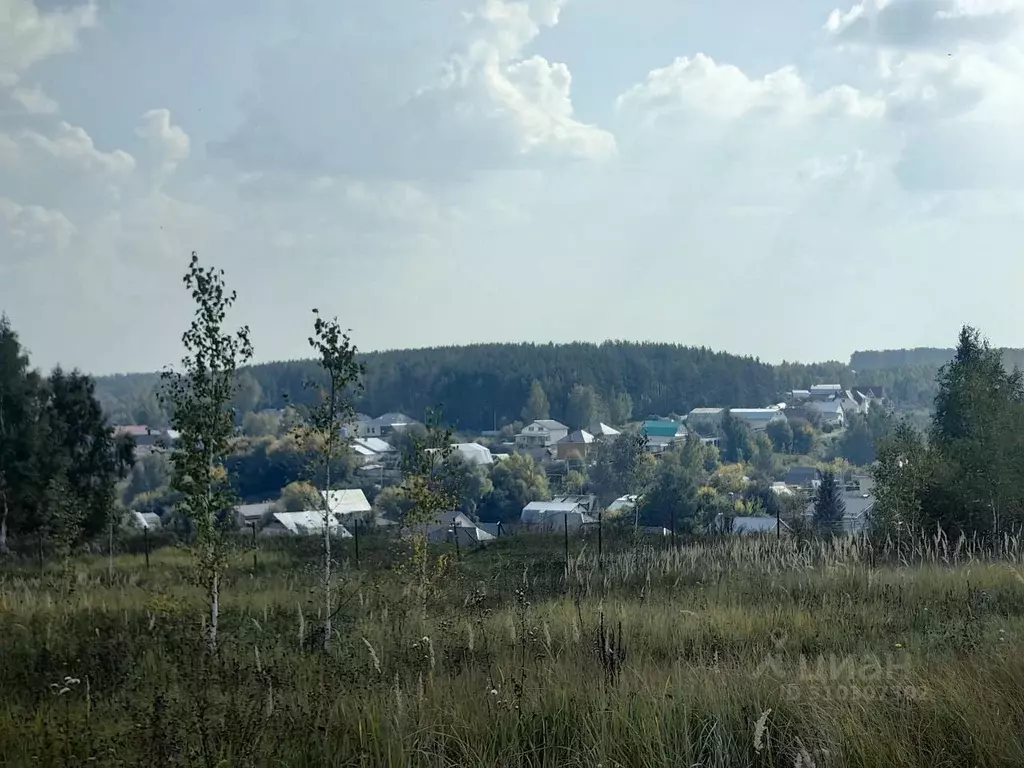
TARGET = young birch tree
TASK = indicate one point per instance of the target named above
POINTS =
(337, 357)
(429, 488)
(201, 397)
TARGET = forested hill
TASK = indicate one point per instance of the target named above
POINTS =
(931, 357)
(484, 384)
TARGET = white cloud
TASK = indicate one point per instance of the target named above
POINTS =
(699, 88)
(33, 228)
(489, 105)
(929, 24)
(28, 36)
(71, 144)
(416, 165)
(34, 101)
(169, 142)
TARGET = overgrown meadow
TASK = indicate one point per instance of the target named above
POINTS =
(716, 653)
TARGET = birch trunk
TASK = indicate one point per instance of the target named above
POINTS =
(3, 526)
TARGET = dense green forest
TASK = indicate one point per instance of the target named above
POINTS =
(483, 385)
(927, 357)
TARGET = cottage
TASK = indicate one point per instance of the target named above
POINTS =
(830, 411)
(705, 419)
(364, 426)
(602, 431)
(347, 501)
(248, 514)
(474, 453)
(826, 391)
(662, 434)
(449, 527)
(758, 419)
(857, 517)
(576, 445)
(307, 523)
(541, 434)
(554, 515)
(623, 504)
(802, 477)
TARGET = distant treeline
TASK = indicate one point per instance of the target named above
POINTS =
(931, 357)
(483, 385)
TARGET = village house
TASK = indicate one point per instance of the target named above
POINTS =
(662, 434)
(826, 391)
(249, 514)
(602, 431)
(830, 411)
(474, 453)
(541, 434)
(758, 419)
(577, 445)
(347, 502)
(307, 523)
(705, 420)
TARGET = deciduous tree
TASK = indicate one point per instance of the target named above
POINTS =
(201, 397)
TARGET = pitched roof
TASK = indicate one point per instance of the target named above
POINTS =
(623, 502)
(698, 412)
(662, 428)
(347, 501)
(801, 475)
(475, 453)
(373, 444)
(310, 522)
(253, 512)
(826, 406)
(394, 417)
(578, 436)
(550, 424)
(603, 430)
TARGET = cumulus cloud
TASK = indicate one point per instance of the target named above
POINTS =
(169, 142)
(28, 36)
(34, 101)
(33, 228)
(394, 153)
(925, 24)
(489, 105)
(700, 88)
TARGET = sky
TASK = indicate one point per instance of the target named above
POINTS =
(791, 180)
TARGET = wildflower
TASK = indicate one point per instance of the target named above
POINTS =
(759, 730)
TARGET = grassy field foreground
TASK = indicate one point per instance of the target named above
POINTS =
(743, 653)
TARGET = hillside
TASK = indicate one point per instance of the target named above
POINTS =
(486, 384)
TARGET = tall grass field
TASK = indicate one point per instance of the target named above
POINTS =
(752, 652)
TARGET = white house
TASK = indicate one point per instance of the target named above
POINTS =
(555, 515)
(307, 523)
(541, 433)
(347, 501)
(451, 526)
(758, 419)
(825, 391)
(709, 416)
(831, 411)
(474, 453)
(364, 426)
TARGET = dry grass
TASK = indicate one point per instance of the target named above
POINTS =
(740, 653)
